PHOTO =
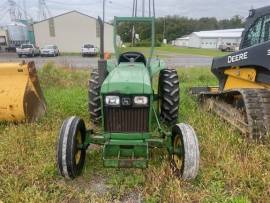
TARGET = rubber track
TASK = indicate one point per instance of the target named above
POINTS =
(257, 110)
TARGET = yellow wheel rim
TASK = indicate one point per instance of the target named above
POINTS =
(177, 144)
(78, 151)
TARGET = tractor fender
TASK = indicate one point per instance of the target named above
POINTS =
(156, 66)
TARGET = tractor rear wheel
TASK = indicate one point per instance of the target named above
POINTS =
(94, 101)
(186, 155)
(169, 96)
(70, 153)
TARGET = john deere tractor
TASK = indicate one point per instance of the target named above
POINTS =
(122, 98)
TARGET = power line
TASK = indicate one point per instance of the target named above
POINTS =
(43, 10)
(24, 9)
(72, 4)
(4, 14)
(25, 12)
(4, 5)
(116, 4)
(14, 11)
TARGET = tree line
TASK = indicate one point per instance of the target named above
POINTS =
(172, 27)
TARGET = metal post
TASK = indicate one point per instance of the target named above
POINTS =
(104, 10)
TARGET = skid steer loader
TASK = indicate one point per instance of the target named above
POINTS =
(21, 98)
(243, 95)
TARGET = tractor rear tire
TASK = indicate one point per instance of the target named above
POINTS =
(169, 96)
(71, 158)
(186, 156)
(94, 100)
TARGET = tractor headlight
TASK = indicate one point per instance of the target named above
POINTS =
(140, 100)
(112, 100)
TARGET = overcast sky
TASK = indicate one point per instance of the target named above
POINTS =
(191, 8)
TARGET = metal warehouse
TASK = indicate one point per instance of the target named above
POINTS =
(69, 31)
(210, 39)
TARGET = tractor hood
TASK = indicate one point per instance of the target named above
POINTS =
(128, 78)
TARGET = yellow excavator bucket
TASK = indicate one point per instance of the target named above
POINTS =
(21, 97)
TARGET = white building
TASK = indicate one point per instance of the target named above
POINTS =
(69, 31)
(210, 39)
(182, 41)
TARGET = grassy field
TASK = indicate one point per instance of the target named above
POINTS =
(165, 51)
(191, 51)
(232, 169)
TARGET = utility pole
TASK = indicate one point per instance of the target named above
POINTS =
(25, 10)
(134, 14)
(143, 8)
(149, 8)
(133, 9)
(164, 27)
(136, 7)
(104, 8)
(103, 18)
(154, 10)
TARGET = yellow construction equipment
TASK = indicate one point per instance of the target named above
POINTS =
(243, 95)
(21, 97)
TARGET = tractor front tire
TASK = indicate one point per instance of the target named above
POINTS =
(70, 154)
(94, 101)
(169, 96)
(186, 155)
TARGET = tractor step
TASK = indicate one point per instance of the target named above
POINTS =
(125, 154)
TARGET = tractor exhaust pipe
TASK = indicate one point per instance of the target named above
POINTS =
(102, 63)
(101, 26)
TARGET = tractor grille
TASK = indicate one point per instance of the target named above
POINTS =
(126, 119)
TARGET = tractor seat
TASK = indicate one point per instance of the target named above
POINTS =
(132, 57)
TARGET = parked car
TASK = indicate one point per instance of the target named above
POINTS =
(89, 50)
(28, 50)
(229, 47)
(49, 50)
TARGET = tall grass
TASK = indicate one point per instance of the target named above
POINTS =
(232, 169)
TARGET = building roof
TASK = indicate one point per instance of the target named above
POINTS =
(183, 38)
(73, 11)
(228, 33)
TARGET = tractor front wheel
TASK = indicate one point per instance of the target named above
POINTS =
(169, 96)
(70, 151)
(185, 157)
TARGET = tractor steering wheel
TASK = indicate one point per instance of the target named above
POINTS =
(132, 57)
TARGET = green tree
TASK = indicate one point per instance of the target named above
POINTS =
(176, 26)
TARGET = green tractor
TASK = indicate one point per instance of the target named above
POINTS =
(123, 100)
